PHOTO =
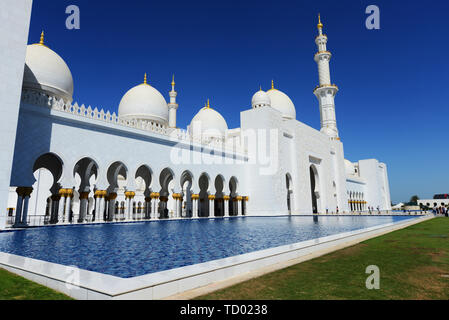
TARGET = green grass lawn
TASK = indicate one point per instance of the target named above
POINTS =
(13, 287)
(413, 263)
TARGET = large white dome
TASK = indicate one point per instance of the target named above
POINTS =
(281, 102)
(145, 103)
(210, 123)
(46, 71)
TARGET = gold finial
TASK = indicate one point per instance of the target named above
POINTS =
(208, 104)
(42, 38)
(173, 81)
(260, 88)
(272, 84)
(320, 25)
(145, 79)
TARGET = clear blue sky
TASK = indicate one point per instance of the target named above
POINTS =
(393, 100)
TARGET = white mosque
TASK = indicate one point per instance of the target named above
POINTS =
(74, 164)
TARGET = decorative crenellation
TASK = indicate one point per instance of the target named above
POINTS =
(44, 100)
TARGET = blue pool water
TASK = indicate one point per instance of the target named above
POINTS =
(134, 249)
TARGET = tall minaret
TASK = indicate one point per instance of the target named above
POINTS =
(326, 91)
(172, 106)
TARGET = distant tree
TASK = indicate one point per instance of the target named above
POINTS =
(414, 200)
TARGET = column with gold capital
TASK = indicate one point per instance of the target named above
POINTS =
(68, 205)
(62, 200)
(211, 205)
(195, 198)
(226, 205)
(129, 196)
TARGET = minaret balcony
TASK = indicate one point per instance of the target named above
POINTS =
(320, 55)
(324, 87)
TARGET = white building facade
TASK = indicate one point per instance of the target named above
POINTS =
(77, 164)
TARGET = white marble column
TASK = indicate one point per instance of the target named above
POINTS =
(195, 198)
(211, 206)
(25, 210)
(153, 208)
(84, 202)
(245, 204)
(158, 214)
(226, 206)
(131, 196)
(177, 208)
(147, 208)
(99, 205)
(61, 208)
(129, 209)
(19, 205)
(68, 205)
(180, 207)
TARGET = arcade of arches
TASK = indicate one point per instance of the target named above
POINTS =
(84, 203)
(356, 201)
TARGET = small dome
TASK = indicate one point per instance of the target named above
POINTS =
(281, 102)
(46, 71)
(144, 102)
(260, 99)
(210, 123)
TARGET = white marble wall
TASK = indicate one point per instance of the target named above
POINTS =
(15, 19)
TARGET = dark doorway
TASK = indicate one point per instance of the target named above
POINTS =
(312, 187)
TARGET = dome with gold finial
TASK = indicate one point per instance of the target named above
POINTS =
(47, 72)
(281, 102)
(143, 102)
(209, 123)
(260, 99)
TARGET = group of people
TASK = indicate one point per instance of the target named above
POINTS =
(441, 210)
(371, 209)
